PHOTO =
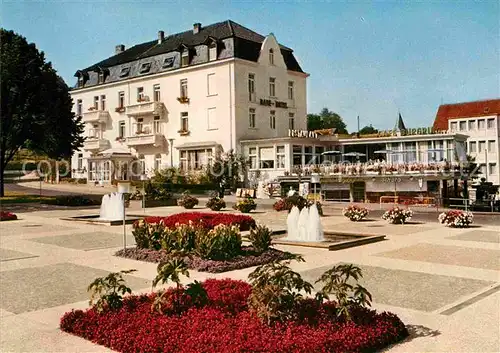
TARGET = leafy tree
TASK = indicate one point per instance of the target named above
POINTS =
(326, 119)
(369, 129)
(36, 105)
(227, 170)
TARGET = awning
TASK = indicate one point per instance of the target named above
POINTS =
(197, 145)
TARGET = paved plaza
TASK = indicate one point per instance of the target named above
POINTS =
(443, 283)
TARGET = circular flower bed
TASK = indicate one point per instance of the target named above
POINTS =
(7, 216)
(224, 324)
(398, 215)
(456, 219)
(355, 213)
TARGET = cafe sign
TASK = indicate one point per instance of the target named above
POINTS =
(411, 132)
(311, 134)
(270, 103)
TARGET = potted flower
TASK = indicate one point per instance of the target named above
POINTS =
(456, 219)
(398, 215)
(7, 216)
(246, 205)
(355, 213)
(187, 201)
(216, 203)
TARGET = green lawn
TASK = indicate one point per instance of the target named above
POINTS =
(13, 197)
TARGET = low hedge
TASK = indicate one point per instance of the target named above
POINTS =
(74, 200)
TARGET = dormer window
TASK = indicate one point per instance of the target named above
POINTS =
(145, 68)
(212, 51)
(185, 57)
(101, 77)
(271, 56)
(82, 78)
(124, 71)
(81, 81)
(168, 63)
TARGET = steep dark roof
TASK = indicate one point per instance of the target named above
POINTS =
(247, 45)
(465, 110)
(400, 125)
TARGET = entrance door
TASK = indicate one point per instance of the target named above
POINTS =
(358, 191)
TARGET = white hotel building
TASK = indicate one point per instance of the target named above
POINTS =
(178, 100)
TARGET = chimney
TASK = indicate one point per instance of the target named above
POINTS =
(120, 48)
(161, 37)
(196, 28)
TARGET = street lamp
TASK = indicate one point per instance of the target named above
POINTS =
(171, 142)
(123, 189)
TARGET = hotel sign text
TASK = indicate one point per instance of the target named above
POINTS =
(270, 103)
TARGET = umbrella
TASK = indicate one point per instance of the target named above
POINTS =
(383, 151)
(354, 154)
(327, 153)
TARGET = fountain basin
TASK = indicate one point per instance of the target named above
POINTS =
(332, 240)
(95, 219)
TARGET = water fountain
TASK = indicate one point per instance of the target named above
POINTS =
(112, 207)
(304, 226)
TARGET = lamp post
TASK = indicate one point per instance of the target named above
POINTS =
(123, 189)
(144, 177)
(171, 142)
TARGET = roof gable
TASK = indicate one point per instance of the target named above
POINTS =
(465, 110)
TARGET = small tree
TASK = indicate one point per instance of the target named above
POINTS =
(107, 292)
(369, 129)
(326, 119)
(169, 271)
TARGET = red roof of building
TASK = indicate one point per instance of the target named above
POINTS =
(465, 110)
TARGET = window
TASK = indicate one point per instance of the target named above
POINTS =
(156, 93)
(272, 120)
(271, 56)
(79, 105)
(142, 164)
(121, 99)
(491, 146)
(453, 126)
(81, 81)
(212, 119)
(121, 129)
(145, 67)
(211, 85)
(140, 94)
(482, 169)
(184, 88)
(124, 71)
(291, 121)
(183, 160)
(481, 146)
(95, 131)
(463, 126)
(472, 147)
(472, 125)
(139, 125)
(184, 122)
(157, 162)
(280, 156)
(481, 124)
(251, 87)
(96, 102)
(308, 155)
(251, 118)
(185, 58)
(492, 169)
(103, 102)
(212, 51)
(168, 63)
(80, 161)
(156, 125)
(318, 151)
(100, 78)
(410, 149)
(291, 94)
(266, 157)
(252, 155)
(491, 123)
(297, 155)
(272, 86)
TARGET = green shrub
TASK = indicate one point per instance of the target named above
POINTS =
(181, 238)
(246, 205)
(221, 243)
(187, 201)
(81, 181)
(216, 203)
(261, 238)
(148, 235)
(74, 200)
(107, 292)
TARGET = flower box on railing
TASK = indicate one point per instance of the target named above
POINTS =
(120, 139)
(183, 100)
(120, 109)
(143, 99)
(91, 109)
(183, 132)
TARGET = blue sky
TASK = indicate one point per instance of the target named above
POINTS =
(365, 58)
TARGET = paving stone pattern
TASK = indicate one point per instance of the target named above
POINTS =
(7, 255)
(479, 235)
(87, 241)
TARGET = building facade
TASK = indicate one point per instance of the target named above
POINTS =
(481, 122)
(179, 100)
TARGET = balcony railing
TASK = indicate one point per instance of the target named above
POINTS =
(95, 144)
(145, 108)
(95, 116)
(154, 139)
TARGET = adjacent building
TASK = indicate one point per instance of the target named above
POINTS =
(182, 98)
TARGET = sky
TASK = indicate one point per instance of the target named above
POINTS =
(366, 59)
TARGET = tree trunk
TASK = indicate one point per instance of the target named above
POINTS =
(2, 192)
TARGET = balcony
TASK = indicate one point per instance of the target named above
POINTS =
(95, 144)
(153, 139)
(95, 116)
(144, 108)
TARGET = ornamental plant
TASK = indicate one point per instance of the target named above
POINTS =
(216, 203)
(456, 219)
(355, 213)
(246, 205)
(221, 243)
(187, 201)
(260, 237)
(206, 220)
(107, 292)
(7, 216)
(398, 215)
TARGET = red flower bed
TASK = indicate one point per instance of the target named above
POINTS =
(7, 216)
(224, 325)
(209, 220)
